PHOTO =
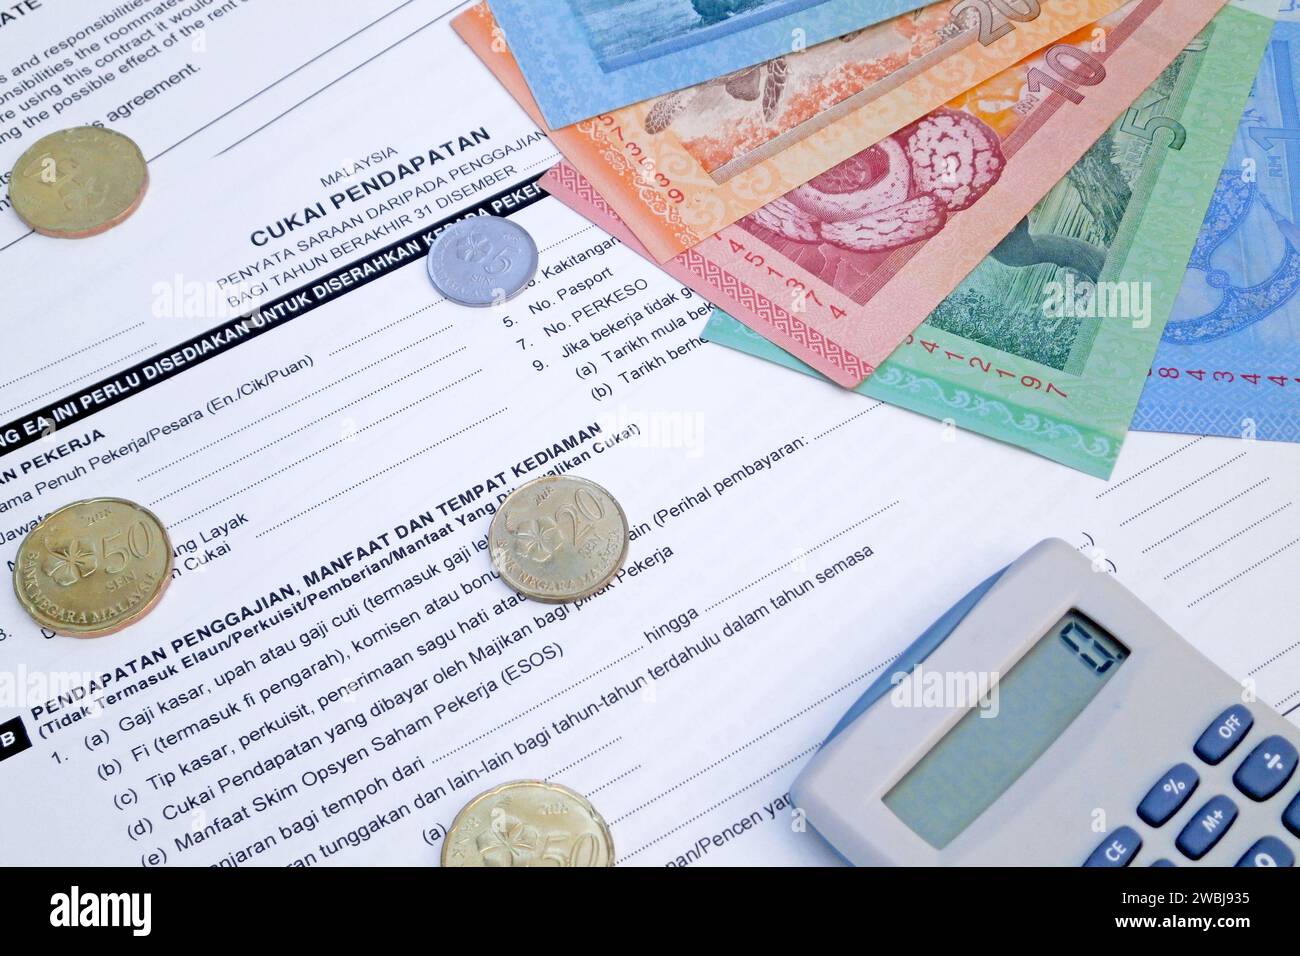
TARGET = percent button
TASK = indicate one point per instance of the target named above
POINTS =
(1168, 795)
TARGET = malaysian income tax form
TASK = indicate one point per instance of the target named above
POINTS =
(336, 669)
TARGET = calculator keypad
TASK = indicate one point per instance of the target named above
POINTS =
(1207, 827)
(1267, 769)
(1221, 737)
(1261, 775)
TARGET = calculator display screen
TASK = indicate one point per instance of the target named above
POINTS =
(1012, 721)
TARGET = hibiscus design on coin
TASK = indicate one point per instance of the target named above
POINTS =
(508, 841)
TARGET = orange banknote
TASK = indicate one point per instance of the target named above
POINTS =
(680, 167)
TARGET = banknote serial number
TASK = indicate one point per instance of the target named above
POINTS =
(645, 164)
(1221, 376)
(1031, 382)
(801, 295)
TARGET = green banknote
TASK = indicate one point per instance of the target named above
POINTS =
(1048, 343)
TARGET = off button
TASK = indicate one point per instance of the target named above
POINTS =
(1222, 736)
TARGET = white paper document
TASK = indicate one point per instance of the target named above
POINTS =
(183, 78)
(259, 357)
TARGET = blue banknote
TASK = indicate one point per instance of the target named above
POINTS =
(1229, 361)
(585, 57)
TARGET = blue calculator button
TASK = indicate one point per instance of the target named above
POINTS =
(1291, 816)
(1224, 734)
(1168, 795)
(1267, 769)
(1116, 850)
(1205, 829)
(1163, 862)
(1268, 851)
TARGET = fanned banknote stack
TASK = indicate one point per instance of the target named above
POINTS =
(1047, 221)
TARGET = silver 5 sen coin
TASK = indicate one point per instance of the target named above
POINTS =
(482, 260)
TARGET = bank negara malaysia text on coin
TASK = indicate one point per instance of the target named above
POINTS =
(558, 538)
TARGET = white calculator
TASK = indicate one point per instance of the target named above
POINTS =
(1051, 718)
